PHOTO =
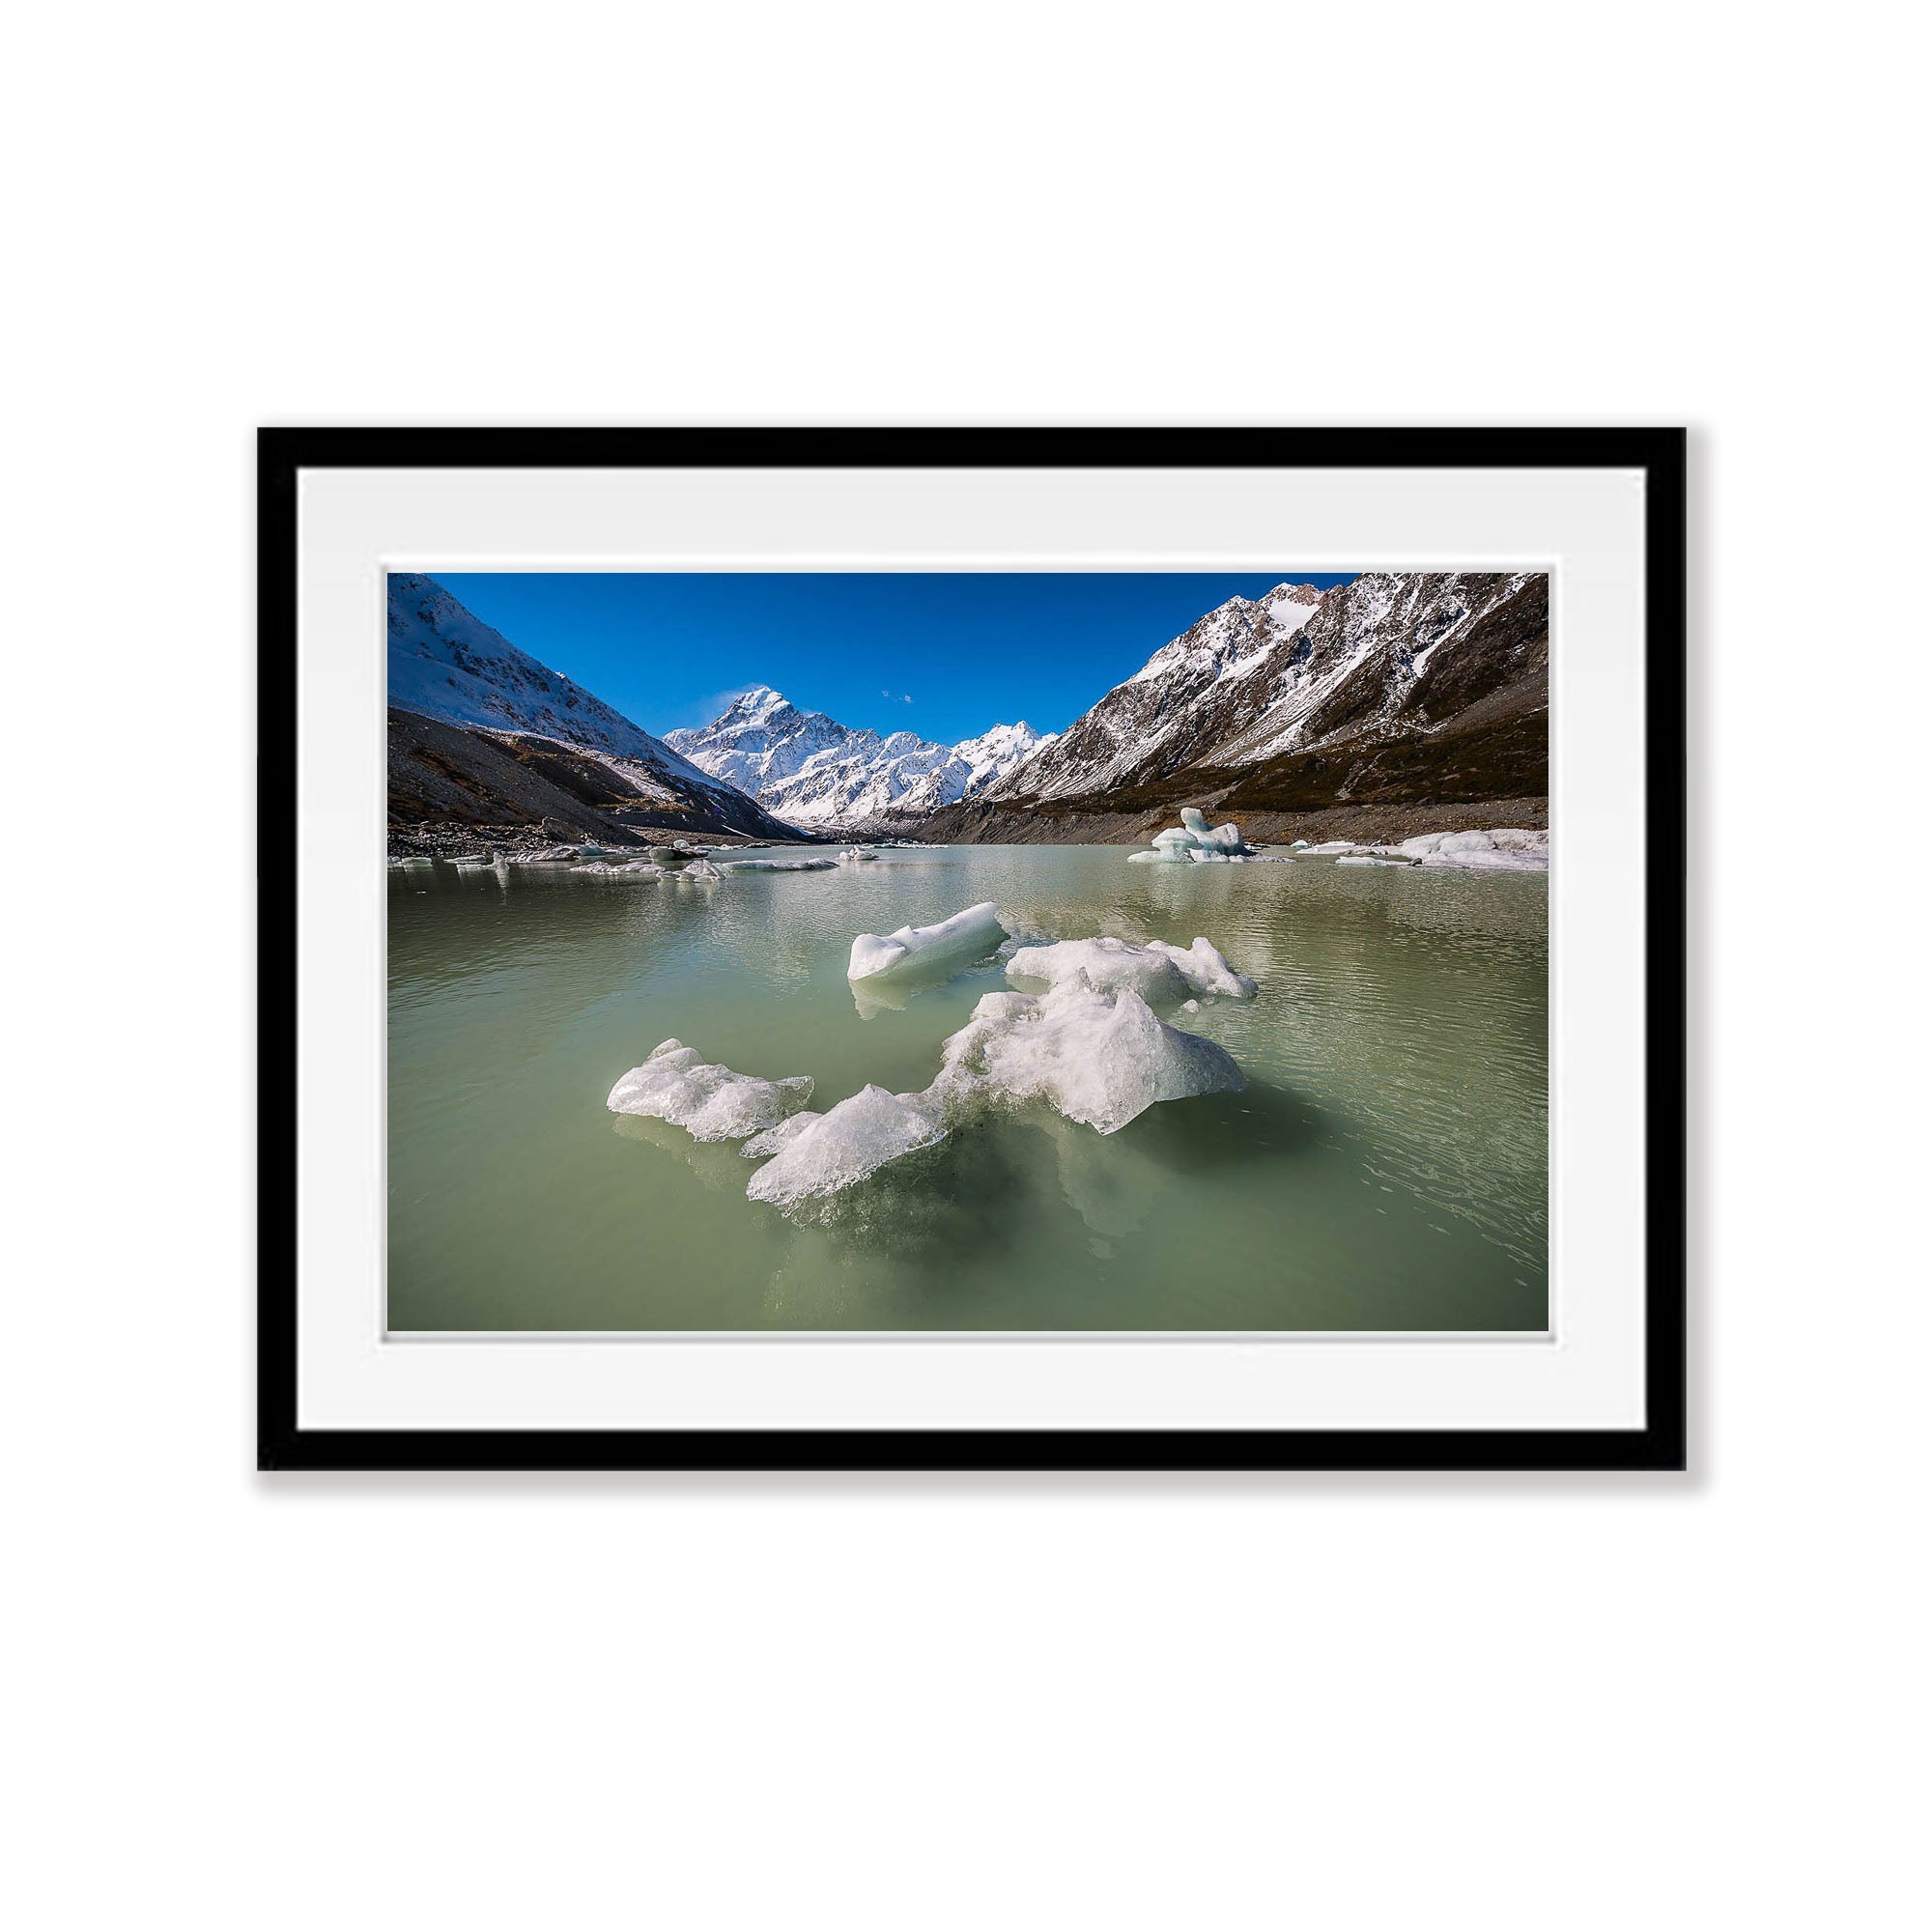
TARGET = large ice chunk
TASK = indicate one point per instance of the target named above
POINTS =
(914, 952)
(1205, 968)
(761, 1146)
(858, 1137)
(1211, 837)
(711, 1103)
(1507, 849)
(1102, 966)
(1098, 1058)
(700, 870)
(1161, 974)
(778, 865)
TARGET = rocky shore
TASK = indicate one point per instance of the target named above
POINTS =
(995, 824)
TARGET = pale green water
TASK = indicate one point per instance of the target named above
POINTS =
(1386, 1168)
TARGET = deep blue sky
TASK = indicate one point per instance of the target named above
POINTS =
(945, 656)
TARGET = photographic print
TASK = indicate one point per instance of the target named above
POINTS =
(919, 953)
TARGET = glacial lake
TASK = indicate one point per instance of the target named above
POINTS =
(1387, 1167)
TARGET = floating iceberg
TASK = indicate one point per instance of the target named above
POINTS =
(1160, 973)
(1101, 966)
(1370, 858)
(778, 865)
(858, 1137)
(545, 854)
(773, 1139)
(1194, 838)
(701, 870)
(1507, 849)
(1089, 1046)
(856, 855)
(1101, 1058)
(1211, 837)
(630, 868)
(916, 952)
(711, 1103)
(1205, 968)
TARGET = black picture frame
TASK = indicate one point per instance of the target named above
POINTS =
(1660, 1444)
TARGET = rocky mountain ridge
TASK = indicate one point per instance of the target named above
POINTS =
(483, 734)
(1418, 694)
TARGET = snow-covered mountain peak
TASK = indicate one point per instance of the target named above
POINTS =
(759, 705)
(1303, 596)
(815, 772)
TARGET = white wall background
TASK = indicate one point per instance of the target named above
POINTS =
(1332, 1703)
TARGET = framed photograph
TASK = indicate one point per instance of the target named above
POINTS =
(972, 948)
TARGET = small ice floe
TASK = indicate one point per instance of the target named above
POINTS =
(856, 855)
(630, 868)
(917, 951)
(711, 1103)
(1161, 974)
(856, 1138)
(1371, 859)
(778, 865)
(545, 854)
(700, 870)
(1194, 838)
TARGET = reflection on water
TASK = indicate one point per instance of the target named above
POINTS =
(1387, 1167)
